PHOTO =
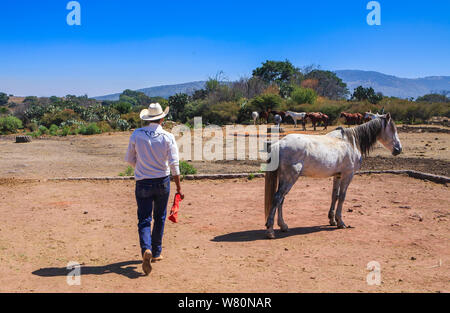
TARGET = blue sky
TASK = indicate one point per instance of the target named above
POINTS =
(137, 44)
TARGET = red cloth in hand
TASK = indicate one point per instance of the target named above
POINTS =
(176, 206)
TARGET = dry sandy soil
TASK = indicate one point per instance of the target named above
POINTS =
(102, 155)
(219, 243)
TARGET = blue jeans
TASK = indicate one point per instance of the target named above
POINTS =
(152, 196)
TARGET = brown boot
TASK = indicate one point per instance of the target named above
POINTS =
(159, 258)
(146, 262)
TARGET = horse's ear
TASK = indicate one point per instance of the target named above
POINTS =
(388, 117)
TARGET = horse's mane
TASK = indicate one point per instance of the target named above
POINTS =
(365, 135)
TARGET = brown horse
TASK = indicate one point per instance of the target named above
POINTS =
(318, 117)
(280, 113)
(264, 115)
(352, 118)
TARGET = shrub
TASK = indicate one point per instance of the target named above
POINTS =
(123, 107)
(59, 117)
(35, 134)
(187, 169)
(221, 113)
(122, 125)
(265, 102)
(43, 130)
(304, 95)
(10, 124)
(53, 130)
(4, 110)
(32, 126)
(91, 129)
(65, 131)
(104, 127)
(132, 119)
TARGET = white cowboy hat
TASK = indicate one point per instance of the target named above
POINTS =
(153, 113)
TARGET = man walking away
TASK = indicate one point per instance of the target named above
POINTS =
(153, 152)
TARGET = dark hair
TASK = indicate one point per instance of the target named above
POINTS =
(366, 135)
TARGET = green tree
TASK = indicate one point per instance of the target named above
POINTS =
(177, 103)
(266, 102)
(123, 107)
(362, 94)
(433, 97)
(280, 72)
(329, 85)
(3, 98)
(304, 95)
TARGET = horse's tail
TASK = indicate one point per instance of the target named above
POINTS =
(271, 185)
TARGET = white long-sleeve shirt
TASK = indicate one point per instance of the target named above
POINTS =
(153, 152)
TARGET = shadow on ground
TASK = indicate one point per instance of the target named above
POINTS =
(122, 268)
(253, 235)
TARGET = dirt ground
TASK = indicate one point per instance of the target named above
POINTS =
(219, 246)
(102, 155)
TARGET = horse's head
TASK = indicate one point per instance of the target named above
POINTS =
(389, 136)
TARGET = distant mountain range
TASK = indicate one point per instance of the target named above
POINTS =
(164, 91)
(389, 85)
(393, 86)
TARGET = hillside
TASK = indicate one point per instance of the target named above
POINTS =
(394, 86)
(389, 85)
(162, 91)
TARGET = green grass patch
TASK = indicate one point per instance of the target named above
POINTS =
(128, 172)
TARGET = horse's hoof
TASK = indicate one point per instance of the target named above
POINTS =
(333, 223)
(284, 228)
(270, 235)
(341, 226)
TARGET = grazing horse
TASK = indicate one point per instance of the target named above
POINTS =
(255, 117)
(298, 116)
(280, 113)
(352, 118)
(360, 118)
(338, 154)
(317, 117)
(264, 115)
(277, 120)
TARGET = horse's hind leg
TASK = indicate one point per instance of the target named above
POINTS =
(334, 198)
(288, 177)
(281, 223)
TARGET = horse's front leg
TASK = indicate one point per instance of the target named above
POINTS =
(342, 193)
(334, 198)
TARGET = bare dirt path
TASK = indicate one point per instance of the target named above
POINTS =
(219, 244)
